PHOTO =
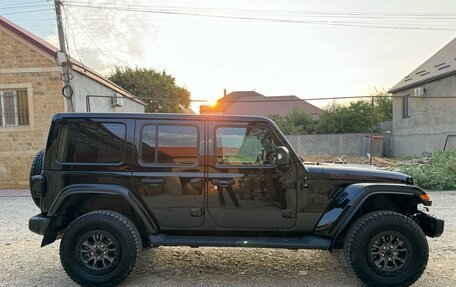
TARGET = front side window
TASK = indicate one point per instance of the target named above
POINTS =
(92, 142)
(245, 146)
(169, 144)
(14, 110)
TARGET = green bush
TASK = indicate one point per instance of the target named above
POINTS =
(436, 172)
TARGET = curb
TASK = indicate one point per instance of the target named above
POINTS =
(14, 193)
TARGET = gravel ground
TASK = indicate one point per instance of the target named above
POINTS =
(24, 263)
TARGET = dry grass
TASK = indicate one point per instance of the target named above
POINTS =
(379, 162)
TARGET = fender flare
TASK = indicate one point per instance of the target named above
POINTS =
(72, 191)
(347, 202)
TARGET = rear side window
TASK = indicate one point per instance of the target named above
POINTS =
(92, 142)
(169, 144)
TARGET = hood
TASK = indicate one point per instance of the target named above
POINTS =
(358, 174)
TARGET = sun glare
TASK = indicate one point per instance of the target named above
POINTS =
(212, 103)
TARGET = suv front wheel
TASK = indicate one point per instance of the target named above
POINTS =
(385, 248)
(100, 248)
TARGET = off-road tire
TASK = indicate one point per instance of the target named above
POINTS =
(35, 169)
(357, 248)
(124, 233)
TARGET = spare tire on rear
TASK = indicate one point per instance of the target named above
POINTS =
(35, 169)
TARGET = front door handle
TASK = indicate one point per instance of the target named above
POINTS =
(153, 181)
(196, 212)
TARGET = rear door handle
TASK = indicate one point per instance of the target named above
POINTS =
(153, 181)
(196, 182)
(223, 182)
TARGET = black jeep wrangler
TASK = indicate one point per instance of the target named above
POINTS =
(112, 184)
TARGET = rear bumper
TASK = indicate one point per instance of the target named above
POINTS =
(431, 226)
(39, 223)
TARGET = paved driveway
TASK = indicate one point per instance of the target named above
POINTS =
(24, 263)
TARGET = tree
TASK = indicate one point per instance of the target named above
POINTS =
(157, 89)
(352, 118)
(383, 105)
(356, 116)
(297, 122)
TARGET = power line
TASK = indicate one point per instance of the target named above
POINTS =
(93, 40)
(16, 7)
(68, 24)
(261, 19)
(28, 11)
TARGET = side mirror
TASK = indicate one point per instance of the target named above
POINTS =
(282, 155)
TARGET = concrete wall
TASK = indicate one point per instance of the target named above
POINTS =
(84, 86)
(430, 120)
(327, 144)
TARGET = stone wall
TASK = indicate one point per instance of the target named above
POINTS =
(23, 67)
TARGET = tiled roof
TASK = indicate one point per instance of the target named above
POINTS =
(253, 103)
(51, 50)
(264, 106)
(441, 64)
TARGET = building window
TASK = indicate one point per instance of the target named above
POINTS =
(406, 107)
(14, 108)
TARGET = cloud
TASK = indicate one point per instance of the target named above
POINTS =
(105, 38)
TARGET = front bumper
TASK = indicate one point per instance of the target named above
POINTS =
(39, 223)
(431, 226)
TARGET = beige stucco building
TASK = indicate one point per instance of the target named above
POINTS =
(30, 93)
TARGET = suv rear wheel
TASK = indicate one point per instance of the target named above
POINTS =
(385, 248)
(100, 248)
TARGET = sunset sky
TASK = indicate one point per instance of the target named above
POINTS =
(311, 56)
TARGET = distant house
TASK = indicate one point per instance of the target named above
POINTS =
(30, 93)
(422, 123)
(254, 103)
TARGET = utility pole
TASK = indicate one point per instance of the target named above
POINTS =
(371, 160)
(63, 58)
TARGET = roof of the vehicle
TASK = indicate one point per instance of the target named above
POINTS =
(162, 116)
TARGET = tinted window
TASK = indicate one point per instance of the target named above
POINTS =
(92, 142)
(169, 144)
(245, 146)
(148, 144)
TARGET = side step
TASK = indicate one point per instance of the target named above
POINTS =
(304, 242)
